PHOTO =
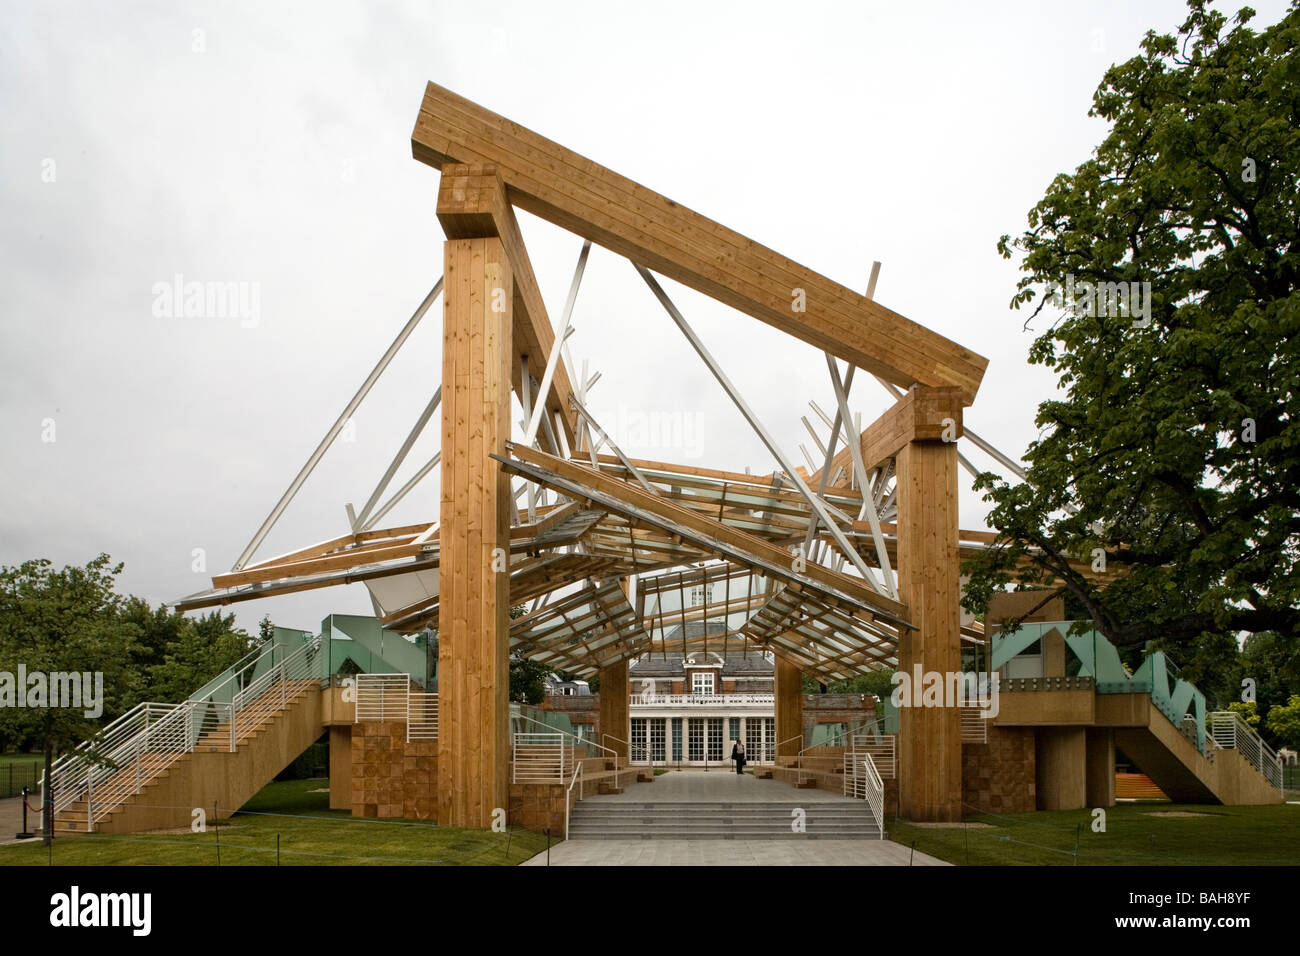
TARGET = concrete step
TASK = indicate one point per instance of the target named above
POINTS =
(764, 825)
(781, 813)
(730, 833)
(667, 807)
(720, 820)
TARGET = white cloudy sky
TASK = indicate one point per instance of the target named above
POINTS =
(279, 155)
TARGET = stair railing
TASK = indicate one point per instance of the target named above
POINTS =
(1230, 732)
(540, 758)
(136, 747)
(852, 733)
(874, 792)
(635, 751)
(776, 752)
(574, 741)
(568, 795)
(382, 697)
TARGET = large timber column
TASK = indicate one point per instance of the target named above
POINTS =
(929, 739)
(1060, 767)
(614, 710)
(788, 689)
(474, 535)
(1100, 771)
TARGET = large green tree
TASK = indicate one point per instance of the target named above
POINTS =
(1172, 452)
(66, 621)
(202, 648)
(175, 655)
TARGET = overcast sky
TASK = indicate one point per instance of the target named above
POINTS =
(268, 144)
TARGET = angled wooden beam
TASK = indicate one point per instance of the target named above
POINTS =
(776, 560)
(472, 204)
(611, 210)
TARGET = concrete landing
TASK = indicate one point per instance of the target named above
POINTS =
(732, 853)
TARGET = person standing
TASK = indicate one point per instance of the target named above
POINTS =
(738, 755)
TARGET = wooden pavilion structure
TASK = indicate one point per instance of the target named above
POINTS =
(839, 566)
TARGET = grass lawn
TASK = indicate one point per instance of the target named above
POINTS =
(7, 759)
(309, 832)
(1136, 834)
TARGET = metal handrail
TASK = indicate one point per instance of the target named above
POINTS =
(626, 744)
(419, 724)
(95, 768)
(370, 686)
(1228, 729)
(776, 754)
(580, 741)
(799, 757)
(875, 792)
(865, 784)
(538, 769)
(568, 795)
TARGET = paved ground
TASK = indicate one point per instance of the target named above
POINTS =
(11, 817)
(695, 786)
(732, 853)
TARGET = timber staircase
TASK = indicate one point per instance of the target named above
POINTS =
(156, 764)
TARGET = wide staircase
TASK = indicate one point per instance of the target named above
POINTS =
(158, 764)
(690, 805)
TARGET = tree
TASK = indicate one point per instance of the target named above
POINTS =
(64, 621)
(527, 681)
(1172, 454)
(1248, 711)
(876, 682)
(1284, 723)
(203, 647)
(176, 655)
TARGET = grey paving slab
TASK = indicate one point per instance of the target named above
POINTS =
(732, 853)
(687, 787)
(11, 817)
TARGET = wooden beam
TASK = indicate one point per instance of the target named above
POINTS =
(474, 601)
(598, 204)
(472, 204)
(922, 414)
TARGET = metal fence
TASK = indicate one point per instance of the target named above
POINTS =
(18, 774)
